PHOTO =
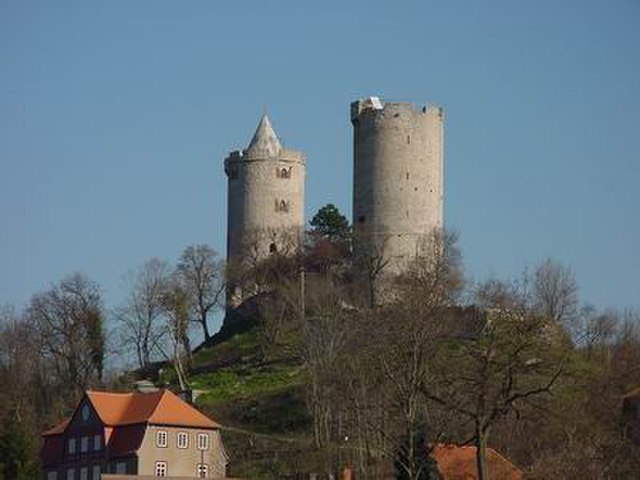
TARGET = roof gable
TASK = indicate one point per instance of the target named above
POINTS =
(171, 410)
(84, 415)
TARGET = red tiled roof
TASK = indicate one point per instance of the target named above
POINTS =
(459, 463)
(161, 408)
(59, 428)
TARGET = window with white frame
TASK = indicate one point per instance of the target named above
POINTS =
(71, 445)
(95, 475)
(71, 474)
(203, 441)
(202, 470)
(84, 473)
(84, 444)
(161, 469)
(183, 440)
(161, 438)
(97, 442)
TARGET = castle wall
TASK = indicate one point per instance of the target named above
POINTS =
(398, 178)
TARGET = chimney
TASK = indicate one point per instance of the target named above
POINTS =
(144, 386)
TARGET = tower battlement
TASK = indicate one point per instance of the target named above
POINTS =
(376, 106)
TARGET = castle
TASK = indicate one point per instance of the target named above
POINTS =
(397, 185)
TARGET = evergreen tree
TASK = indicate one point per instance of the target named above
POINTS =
(16, 451)
(330, 223)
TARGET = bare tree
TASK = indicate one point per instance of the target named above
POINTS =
(141, 316)
(515, 357)
(555, 291)
(69, 323)
(202, 278)
(175, 304)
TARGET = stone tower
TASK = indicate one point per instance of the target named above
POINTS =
(265, 207)
(398, 178)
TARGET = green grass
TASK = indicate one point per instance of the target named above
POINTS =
(244, 382)
(236, 349)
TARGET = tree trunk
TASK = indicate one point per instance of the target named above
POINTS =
(205, 327)
(481, 453)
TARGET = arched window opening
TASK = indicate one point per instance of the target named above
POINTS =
(282, 206)
(283, 172)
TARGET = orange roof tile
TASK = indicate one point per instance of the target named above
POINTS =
(162, 407)
(459, 463)
(59, 428)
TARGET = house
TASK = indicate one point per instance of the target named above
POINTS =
(152, 433)
(459, 463)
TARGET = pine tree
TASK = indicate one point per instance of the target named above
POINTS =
(16, 451)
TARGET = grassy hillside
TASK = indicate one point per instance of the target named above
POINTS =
(259, 402)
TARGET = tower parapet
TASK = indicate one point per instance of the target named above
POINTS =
(397, 178)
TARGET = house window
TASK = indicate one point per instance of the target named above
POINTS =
(203, 441)
(84, 444)
(161, 438)
(52, 476)
(71, 473)
(71, 446)
(121, 467)
(202, 470)
(97, 442)
(96, 472)
(84, 473)
(183, 440)
(161, 469)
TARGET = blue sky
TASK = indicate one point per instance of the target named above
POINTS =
(115, 118)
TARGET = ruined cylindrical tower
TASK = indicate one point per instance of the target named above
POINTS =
(265, 209)
(398, 178)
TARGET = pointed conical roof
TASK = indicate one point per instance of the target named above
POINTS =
(265, 140)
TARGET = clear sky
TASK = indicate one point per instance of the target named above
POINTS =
(115, 118)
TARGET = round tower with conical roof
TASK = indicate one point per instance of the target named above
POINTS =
(265, 210)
